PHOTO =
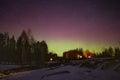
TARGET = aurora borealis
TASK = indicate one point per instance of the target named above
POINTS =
(64, 24)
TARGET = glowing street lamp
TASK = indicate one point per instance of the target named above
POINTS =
(51, 59)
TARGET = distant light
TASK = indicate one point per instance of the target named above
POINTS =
(89, 56)
(51, 59)
(79, 56)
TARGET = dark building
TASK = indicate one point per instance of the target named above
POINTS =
(73, 54)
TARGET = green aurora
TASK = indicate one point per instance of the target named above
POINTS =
(61, 46)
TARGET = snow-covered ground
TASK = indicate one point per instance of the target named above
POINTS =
(6, 67)
(68, 72)
(78, 70)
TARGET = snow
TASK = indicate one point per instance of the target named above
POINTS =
(105, 70)
(6, 67)
(68, 72)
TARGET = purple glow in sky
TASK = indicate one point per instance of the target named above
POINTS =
(79, 22)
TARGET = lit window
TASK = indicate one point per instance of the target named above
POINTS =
(89, 56)
(79, 56)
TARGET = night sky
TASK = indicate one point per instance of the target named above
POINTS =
(64, 24)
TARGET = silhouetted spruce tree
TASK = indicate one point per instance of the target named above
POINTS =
(37, 53)
(32, 53)
(5, 48)
(41, 52)
(12, 50)
(1, 47)
(23, 48)
(32, 43)
(19, 50)
(117, 52)
(44, 51)
(110, 51)
(106, 53)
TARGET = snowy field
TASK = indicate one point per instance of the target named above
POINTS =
(6, 67)
(105, 70)
(68, 72)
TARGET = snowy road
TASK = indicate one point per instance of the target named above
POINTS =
(66, 73)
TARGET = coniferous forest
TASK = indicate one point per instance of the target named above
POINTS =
(24, 50)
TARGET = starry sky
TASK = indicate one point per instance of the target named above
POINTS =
(64, 24)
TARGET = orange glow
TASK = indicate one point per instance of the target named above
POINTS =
(88, 54)
(79, 56)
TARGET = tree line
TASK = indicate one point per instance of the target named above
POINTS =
(24, 50)
(109, 52)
